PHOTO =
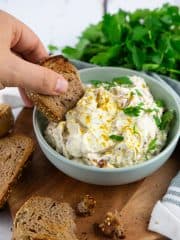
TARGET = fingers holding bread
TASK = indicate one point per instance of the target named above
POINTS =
(55, 107)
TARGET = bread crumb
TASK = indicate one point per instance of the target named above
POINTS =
(111, 227)
(86, 206)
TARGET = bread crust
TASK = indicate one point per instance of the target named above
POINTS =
(21, 164)
(55, 107)
(6, 119)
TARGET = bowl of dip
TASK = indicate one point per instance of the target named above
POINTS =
(123, 129)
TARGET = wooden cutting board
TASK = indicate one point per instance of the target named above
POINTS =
(134, 201)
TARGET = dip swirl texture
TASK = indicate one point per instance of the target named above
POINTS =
(111, 126)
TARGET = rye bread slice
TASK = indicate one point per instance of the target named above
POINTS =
(55, 107)
(15, 151)
(44, 218)
(6, 119)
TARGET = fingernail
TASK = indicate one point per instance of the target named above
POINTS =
(61, 85)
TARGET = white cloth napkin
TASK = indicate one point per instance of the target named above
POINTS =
(11, 96)
(165, 217)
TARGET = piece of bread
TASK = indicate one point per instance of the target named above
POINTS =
(14, 153)
(55, 107)
(44, 218)
(6, 119)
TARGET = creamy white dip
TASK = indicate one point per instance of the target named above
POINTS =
(111, 127)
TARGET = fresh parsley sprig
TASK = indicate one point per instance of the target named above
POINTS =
(144, 39)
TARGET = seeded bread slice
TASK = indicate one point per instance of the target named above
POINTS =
(14, 153)
(55, 107)
(6, 119)
(44, 218)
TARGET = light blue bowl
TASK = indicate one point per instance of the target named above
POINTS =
(100, 176)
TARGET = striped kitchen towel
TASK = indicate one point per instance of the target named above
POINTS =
(165, 217)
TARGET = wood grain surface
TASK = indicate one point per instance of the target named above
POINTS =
(133, 201)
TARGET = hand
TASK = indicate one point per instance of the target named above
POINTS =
(20, 49)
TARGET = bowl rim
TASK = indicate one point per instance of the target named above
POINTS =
(73, 163)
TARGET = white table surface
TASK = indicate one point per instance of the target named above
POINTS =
(60, 22)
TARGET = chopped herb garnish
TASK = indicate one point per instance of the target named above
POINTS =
(115, 82)
(138, 92)
(149, 110)
(124, 80)
(118, 138)
(96, 82)
(133, 111)
(157, 121)
(152, 145)
(135, 130)
(109, 85)
(165, 120)
(160, 103)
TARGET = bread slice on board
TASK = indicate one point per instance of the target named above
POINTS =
(44, 218)
(14, 153)
(6, 119)
(55, 107)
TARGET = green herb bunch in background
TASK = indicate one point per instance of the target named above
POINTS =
(144, 40)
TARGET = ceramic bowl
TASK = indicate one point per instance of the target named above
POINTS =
(116, 176)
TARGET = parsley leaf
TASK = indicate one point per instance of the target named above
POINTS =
(157, 121)
(106, 57)
(111, 22)
(138, 92)
(160, 103)
(133, 111)
(52, 48)
(106, 84)
(122, 80)
(76, 52)
(96, 83)
(149, 110)
(135, 130)
(152, 145)
(118, 138)
(165, 120)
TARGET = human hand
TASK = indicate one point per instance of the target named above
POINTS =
(20, 49)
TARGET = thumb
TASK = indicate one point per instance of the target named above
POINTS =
(17, 72)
